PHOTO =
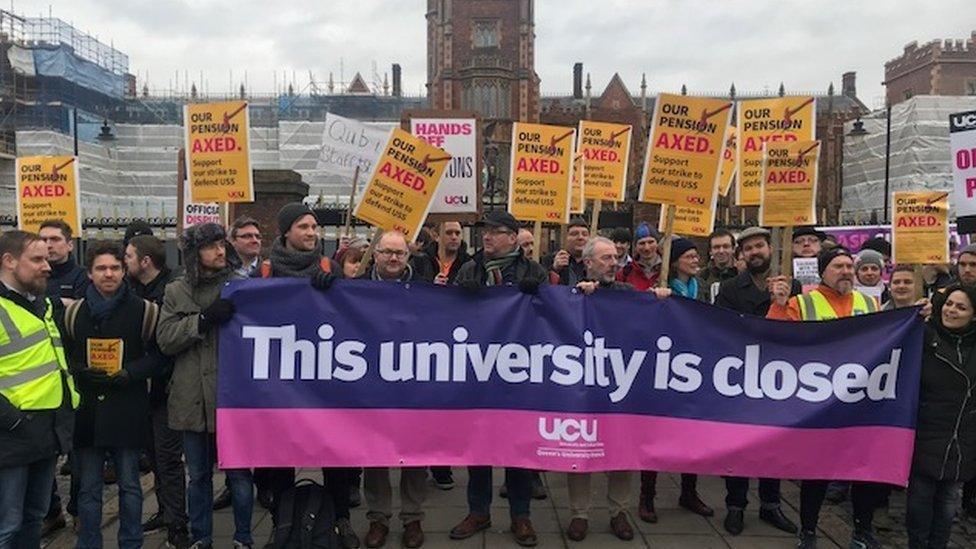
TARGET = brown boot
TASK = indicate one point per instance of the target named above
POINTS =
(693, 503)
(471, 525)
(645, 509)
(620, 526)
(524, 533)
(376, 537)
(578, 528)
(413, 535)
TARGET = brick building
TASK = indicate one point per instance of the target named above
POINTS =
(941, 67)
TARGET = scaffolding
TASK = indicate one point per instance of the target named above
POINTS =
(51, 31)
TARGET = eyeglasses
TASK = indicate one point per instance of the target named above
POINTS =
(393, 253)
(249, 236)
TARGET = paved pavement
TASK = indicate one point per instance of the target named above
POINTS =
(676, 528)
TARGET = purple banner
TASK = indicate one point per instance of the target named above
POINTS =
(385, 374)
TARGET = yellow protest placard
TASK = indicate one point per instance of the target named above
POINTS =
(577, 201)
(606, 157)
(920, 227)
(47, 188)
(218, 159)
(539, 188)
(789, 189)
(729, 161)
(781, 119)
(105, 354)
(690, 221)
(401, 186)
(684, 151)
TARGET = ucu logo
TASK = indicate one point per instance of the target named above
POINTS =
(457, 199)
(568, 430)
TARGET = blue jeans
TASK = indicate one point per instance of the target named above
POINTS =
(91, 463)
(930, 509)
(201, 452)
(25, 495)
(518, 482)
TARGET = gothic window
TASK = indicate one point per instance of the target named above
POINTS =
(490, 98)
(485, 33)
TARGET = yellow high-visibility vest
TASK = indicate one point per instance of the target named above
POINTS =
(32, 359)
(815, 306)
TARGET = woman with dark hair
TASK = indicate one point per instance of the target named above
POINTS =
(945, 434)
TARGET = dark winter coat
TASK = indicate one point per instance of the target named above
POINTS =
(427, 268)
(569, 275)
(154, 291)
(26, 437)
(113, 416)
(945, 433)
(68, 280)
(741, 295)
(522, 268)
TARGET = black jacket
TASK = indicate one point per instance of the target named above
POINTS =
(154, 291)
(26, 437)
(522, 268)
(741, 295)
(945, 433)
(427, 267)
(568, 275)
(68, 279)
(109, 415)
(409, 275)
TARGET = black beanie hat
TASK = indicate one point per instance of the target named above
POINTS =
(289, 213)
(826, 256)
(137, 227)
(679, 246)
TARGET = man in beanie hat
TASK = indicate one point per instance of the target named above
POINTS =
(621, 239)
(137, 227)
(298, 252)
(868, 266)
(644, 270)
(748, 293)
(807, 241)
(567, 263)
(835, 297)
(191, 313)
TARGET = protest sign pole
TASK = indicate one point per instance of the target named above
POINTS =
(786, 251)
(919, 282)
(666, 250)
(537, 237)
(595, 222)
(368, 255)
(352, 201)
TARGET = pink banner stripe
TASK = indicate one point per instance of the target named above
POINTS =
(516, 438)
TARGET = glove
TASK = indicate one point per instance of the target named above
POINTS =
(93, 376)
(322, 281)
(470, 285)
(216, 314)
(528, 286)
(120, 379)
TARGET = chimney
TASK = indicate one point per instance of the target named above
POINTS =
(848, 86)
(577, 81)
(397, 88)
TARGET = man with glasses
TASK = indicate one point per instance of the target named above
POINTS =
(499, 262)
(807, 242)
(391, 264)
(245, 236)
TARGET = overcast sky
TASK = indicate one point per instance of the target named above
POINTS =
(706, 45)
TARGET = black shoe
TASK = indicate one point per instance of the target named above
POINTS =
(837, 492)
(265, 498)
(347, 536)
(144, 465)
(776, 519)
(155, 522)
(177, 538)
(864, 540)
(806, 540)
(443, 478)
(734, 521)
(53, 524)
(538, 489)
(355, 496)
(222, 501)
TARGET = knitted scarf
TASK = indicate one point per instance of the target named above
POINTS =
(689, 290)
(495, 267)
(102, 307)
(293, 263)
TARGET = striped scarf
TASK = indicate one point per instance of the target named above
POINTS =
(494, 267)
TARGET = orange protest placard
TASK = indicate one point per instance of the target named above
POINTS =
(541, 171)
(781, 119)
(606, 156)
(789, 190)
(920, 227)
(47, 188)
(402, 184)
(218, 159)
(105, 354)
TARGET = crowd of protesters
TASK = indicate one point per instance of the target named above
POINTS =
(146, 397)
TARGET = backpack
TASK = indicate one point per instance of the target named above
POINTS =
(150, 315)
(306, 518)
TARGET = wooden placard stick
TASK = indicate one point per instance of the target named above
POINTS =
(352, 202)
(786, 252)
(368, 255)
(666, 249)
(919, 282)
(595, 222)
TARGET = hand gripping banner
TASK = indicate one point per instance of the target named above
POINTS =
(386, 374)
